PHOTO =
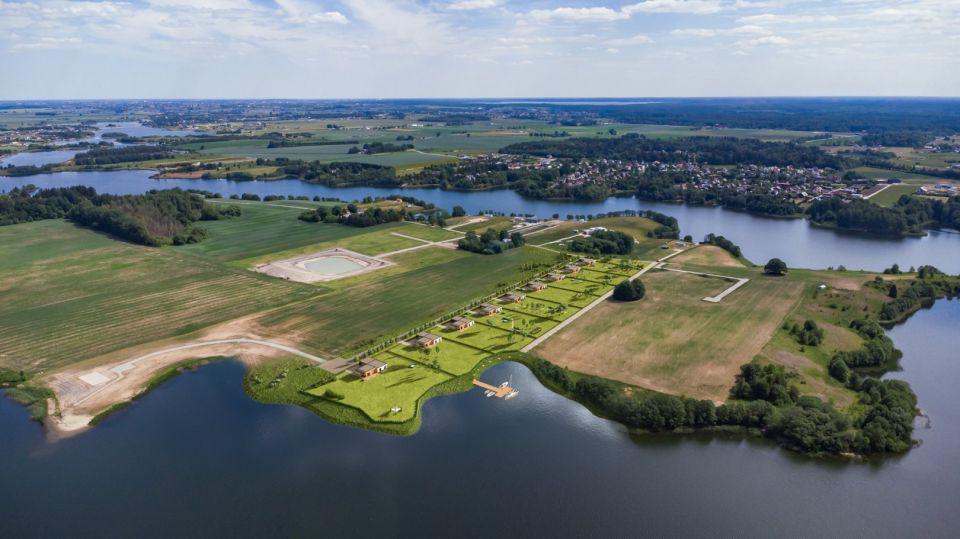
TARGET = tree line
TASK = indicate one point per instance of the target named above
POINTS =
(706, 150)
(155, 218)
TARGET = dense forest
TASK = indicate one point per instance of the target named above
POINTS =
(338, 174)
(154, 219)
(126, 154)
(910, 215)
(872, 115)
(706, 150)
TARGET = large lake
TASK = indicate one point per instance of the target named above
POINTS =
(133, 129)
(197, 457)
(793, 240)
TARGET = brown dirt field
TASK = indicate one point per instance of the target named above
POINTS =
(707, 255)
(672, 341)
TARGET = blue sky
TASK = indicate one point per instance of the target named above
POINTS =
(476, 48)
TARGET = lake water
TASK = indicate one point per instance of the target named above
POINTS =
(197, 457)
(793, 240)
(134, 129)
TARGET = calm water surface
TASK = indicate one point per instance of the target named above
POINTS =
(198, 457)
(793, 240)
(134, 129)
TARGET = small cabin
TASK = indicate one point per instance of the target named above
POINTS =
(554, 277)
(536, 286)
(368, 368)
(488, 310)
(458, 323)
(426, 340)
(512, 297)
(587, 262)
(571, 269)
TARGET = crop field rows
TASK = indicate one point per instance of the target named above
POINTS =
(91, 295)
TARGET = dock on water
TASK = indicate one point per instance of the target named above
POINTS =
(502, 392)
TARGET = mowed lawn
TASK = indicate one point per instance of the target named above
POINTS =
(672, 341)
(71, 294)
(400, 385)
(371, 310)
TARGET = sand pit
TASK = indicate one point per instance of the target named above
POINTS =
(322, 266)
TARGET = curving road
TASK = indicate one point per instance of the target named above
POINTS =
(123, 367)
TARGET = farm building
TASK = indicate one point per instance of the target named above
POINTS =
(426, 340)
(587, 262)
(553, 277)
(512, 297)
(458, 323)
(488, 310)
(368, 368)
(535, 286)
(571, 269)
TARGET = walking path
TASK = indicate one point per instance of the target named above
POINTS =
(558, 241)
(447, 244)
(716, 299)
(124, 367)
(878, 191)
(593, 304)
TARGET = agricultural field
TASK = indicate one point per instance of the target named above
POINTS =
(72, 294)
(707, 256)
(380, 308)
(672, 341)
(262, 229)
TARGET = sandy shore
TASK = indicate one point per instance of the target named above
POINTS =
(87, 389)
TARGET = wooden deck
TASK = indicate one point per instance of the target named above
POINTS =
(501, 392)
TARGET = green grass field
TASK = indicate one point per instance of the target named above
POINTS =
(72, 294)
(889, 196)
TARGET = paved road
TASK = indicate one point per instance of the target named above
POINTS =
(126, 366)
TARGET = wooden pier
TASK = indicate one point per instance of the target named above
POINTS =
(499, 392)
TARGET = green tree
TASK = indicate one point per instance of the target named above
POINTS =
(775, 267)
(627, 291)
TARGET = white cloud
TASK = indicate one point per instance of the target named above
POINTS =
(696, 7)
(300, 11)
(580, 14)
(694, 32)
(468, 5)
(639, 39)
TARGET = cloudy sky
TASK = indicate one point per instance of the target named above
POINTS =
(477, 48)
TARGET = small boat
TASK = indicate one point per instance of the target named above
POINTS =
(489, 393)
(511, 395)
